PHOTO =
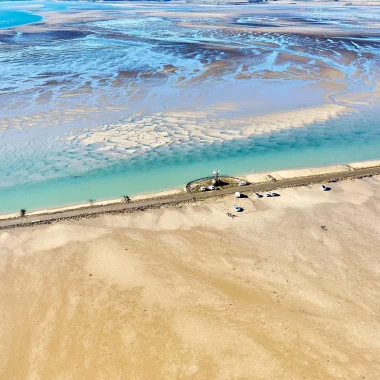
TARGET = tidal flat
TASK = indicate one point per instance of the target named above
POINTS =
(100, 100)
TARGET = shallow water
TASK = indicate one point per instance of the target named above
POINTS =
(349, 139)
(68, 87)
(9, 19)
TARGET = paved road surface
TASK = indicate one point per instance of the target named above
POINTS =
(175, 199)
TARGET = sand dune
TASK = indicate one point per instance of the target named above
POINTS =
(190, 293)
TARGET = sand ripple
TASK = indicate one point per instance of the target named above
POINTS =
(143, 133)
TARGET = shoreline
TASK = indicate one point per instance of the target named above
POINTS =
(259, 182)
(286, 289)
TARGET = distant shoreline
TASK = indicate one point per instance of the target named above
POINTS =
(175, 197)
(282, 2)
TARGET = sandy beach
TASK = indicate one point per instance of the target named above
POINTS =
(263, 181)
(101, 102)
(191, 293)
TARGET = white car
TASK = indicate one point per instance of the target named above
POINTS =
(237, 195)
(268, 194)
(323, 187)
(243, 183)
(237, 208)
(202, 188)
(257, 195)
(211, 187)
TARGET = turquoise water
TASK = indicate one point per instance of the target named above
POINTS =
(48, 6)
(53, 154)
(11, 18)
(345, 140)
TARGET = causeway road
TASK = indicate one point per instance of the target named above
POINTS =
(93, 211)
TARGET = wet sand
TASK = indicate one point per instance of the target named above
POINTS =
(191, 293)
(212, 78)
